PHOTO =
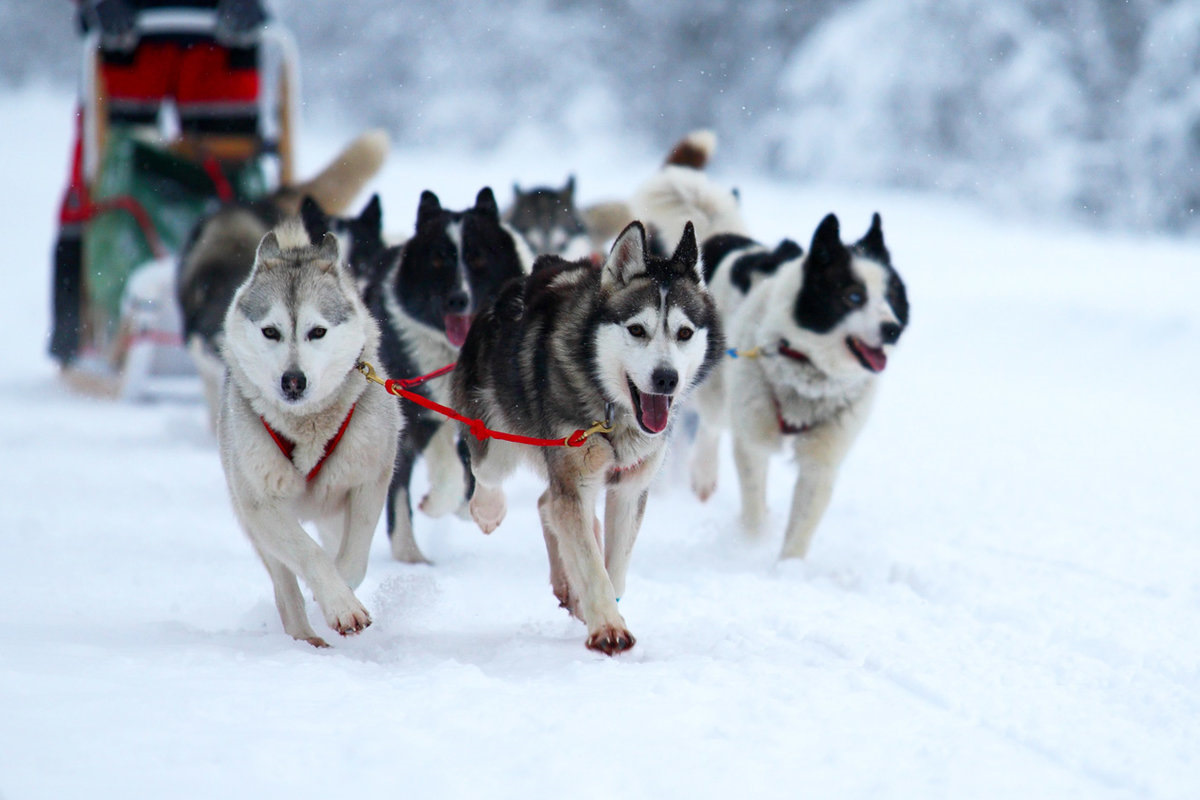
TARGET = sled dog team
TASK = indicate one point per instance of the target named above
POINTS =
(286, 301)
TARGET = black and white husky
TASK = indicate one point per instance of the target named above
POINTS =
(549, 221)
(571, 344)
(425, 294)
(302, 436)
(813, 333)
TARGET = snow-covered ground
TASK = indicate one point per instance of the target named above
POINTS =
(1003, 600)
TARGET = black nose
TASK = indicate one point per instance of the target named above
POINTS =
(457, 302)
(664, 380)
(293, 383)
(890, 332)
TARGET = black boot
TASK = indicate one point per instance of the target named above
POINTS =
(68, 296)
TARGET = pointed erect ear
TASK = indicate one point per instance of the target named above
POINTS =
(826, 241)
(269, 253)
(516, 189)
(372, 215)
(327, 252)
(872, 243)
(569, 189)
(485, 203)
(687, 255)
(316, 221)
(428, 209)
(627, 258)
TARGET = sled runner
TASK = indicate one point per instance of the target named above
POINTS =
(136, 192)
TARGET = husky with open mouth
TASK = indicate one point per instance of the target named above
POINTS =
(812, 331)
(575, 343)
(426, 293)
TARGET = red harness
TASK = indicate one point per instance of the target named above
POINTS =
(786, 427)
(287, 446)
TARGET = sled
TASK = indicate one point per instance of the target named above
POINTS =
(137, 194)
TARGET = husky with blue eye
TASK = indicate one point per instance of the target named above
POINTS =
(813, 332)
(302, 436)
(573, 343)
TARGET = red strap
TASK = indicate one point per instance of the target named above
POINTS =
(220, 183)
(287, 446)
(478, 429)
(408, 383)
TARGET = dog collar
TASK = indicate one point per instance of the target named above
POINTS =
(795, 355)
(287, 446)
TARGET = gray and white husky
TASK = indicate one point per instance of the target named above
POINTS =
(814, 331)
(301, 437)
(549, 221)
(574, 343)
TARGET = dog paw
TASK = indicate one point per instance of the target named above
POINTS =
(350, 619)
(315, 641)
(704, 481)
(440, 503)
(408, 552)
(488, 508)
(610, 640)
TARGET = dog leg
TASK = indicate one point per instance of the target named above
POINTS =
(623, 512)
(814, 488)
(819, 453)
(282, 538)
(567, 515)
(290, 602)
(710, 403)
(558, 575)
(399, 505)
(491, 463)
(752, 464)
(705, 459)
(363, 507)
(446, 485)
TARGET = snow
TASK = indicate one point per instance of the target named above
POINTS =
(1002, 600)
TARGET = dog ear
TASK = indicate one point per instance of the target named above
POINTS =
(872, 243)
(826, 242)
(485, 203)
(627, 258)
(316, 221)
(269, 252)
(327, 252)
(687, 254)
(516, 190)
(372, 215)
(786, 251)
(569, 190)
(428, 209)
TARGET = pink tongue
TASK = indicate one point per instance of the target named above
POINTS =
(876, 358)
(457, 326)
(656, 410)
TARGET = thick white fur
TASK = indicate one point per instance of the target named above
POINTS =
(832, 396)
(270, 494)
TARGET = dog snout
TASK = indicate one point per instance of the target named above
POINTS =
(457, 302)
(890, 332)
(664, 380)
(293, 384)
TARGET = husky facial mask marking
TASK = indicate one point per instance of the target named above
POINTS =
(651, 324)
(455, 260)
(851, 306)
(291, 323)
(549, 221)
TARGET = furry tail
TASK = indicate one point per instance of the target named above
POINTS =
(694, 150)
(605, 220)
(681, 192)
(336, 186)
